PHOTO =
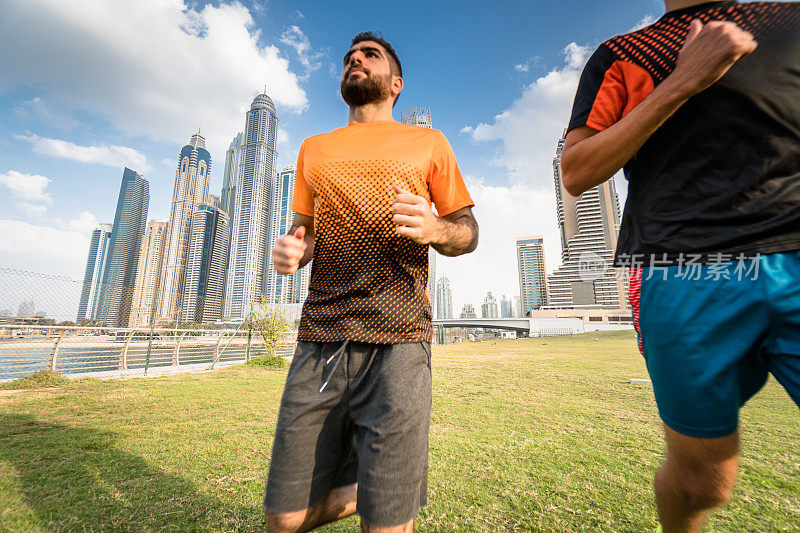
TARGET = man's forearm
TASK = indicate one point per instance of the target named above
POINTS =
(456, 237)
(592, 160)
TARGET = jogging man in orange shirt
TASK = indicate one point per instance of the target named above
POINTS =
(352, 434)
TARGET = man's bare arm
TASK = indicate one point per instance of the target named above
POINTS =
(456, 233)
(451, 235)
(590, 158)
(295, 249)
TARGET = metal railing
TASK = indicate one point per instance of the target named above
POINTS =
(76, 350)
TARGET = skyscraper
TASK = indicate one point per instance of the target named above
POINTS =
(489, 306)
(191, 189)
(279, 289)
(506, 307)
(422, 117)
(444, 299)
(232, 162)
(532, 274)
(589, 226)
(250, 228)
(89, 304)
(206, 264)
(119, 278)
(468, 311)
(148, 275)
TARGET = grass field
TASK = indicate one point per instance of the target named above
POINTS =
(532, 434)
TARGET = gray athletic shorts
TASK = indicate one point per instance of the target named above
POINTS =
(354, 412)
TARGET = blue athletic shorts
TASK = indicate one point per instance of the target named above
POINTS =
(712, 333)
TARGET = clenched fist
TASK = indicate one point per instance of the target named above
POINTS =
(413, 217)
(708, 53)
(288, 251)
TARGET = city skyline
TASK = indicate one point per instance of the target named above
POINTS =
(66, 130)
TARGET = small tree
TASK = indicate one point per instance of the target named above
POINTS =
(273, 326)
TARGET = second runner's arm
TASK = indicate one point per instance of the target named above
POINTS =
(591, 157)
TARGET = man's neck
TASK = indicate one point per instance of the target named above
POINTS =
(371, 112)
(673, 5)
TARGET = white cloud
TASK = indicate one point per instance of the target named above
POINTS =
(43, 249)
(37, 108)
(646, 21)
(527, 133)
(530, 128)
(85, 223)
(308, 57)
(503, 214)
(109, 155)
(529, 63)
(150, 67)
(29, 190)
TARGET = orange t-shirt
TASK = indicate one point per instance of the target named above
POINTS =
(367, 283)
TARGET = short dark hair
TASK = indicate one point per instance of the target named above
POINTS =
(394, 61)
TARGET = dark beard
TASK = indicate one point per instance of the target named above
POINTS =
(370, 89)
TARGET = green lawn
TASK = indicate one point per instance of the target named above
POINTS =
(533, 434)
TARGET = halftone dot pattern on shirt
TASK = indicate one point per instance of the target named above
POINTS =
(358, 254)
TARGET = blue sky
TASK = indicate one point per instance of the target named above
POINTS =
(93, 85)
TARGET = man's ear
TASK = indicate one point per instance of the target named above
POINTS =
(397, 86)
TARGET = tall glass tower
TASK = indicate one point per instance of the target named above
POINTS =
(589, 226)
(444, 299)
(422, 117)
(130, 221)
(148, 275)
(191, 189)
(250, 232)
(89, 304)
(205, 272)
(532, 275)
(280, 289)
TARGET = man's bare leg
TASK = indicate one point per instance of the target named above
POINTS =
(337, 504)
(697, 477)
(408, 527)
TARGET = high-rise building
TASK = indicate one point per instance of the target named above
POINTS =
(589, 226)
(444, 299)
(148, 275)
(119, 279)
(191, 189)
(207, 261)
(489, 306)
(468, 311)
(232, 162)
(422, 117)
(279, 289)
(89, 304)
(518, 307)
(419, 116)
(250, 232)
(26, 309)
(506, 307)
(532, 274)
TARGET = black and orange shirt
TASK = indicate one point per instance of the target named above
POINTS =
(722, 175)
(367, 283)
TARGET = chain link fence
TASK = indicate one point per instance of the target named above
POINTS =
(41, 328)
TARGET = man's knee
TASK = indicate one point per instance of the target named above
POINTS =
(706, 489)
(702, 471)
(285, 522)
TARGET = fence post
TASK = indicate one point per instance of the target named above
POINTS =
(176, 357)
(249, 336)
(54, 354)
(216, 348)
(123, 364)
